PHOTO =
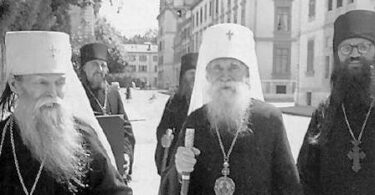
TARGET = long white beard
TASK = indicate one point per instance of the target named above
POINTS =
(47, 129)
(229, 105)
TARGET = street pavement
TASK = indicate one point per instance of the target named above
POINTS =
(145, 110)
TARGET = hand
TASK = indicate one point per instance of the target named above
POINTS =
(126, 164)
(126, 167)
(166, 140)
(185, 159)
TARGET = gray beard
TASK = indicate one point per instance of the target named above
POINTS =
(50, 135)
(230, 111)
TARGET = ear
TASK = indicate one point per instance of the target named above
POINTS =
(14, 84)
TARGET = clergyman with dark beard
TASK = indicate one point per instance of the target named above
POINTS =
(104, 99)
(175, 112)
(49, 143)
(338, 152)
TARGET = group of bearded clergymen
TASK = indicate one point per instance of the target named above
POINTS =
(66, 132)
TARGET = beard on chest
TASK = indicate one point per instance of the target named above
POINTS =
(229, 105)
(48, 131)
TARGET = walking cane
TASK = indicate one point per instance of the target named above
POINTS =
(166, 151)
(168, 133)
(189, 142)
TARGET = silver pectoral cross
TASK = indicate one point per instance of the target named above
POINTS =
(356, 155)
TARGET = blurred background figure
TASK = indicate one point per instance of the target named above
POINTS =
(175, 112)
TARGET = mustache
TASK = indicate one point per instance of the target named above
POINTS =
(48, 103)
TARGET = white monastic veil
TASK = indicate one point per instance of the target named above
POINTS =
(80, 105)
(38, 52)
(225, 41)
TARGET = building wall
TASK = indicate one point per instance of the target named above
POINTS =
(320, 28)
(167, 32)
(134, 54)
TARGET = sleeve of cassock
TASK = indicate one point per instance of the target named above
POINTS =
(165, 123)
(285, 177)
(170, 179)
(128, 132)
(308, 162)
(103, 178)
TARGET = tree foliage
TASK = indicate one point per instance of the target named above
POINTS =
(107, 34)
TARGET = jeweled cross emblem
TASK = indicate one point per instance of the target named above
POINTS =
(53, 51)
(356, 155)
(229, 34)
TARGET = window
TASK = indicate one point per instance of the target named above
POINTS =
(210, 9)
(351, 1)
(205, 12)
(197, 19)
(310, 57)
(280, 89)
(229, 18)
(132, 58)
(201, 19)
(327, 65)
(330, 5)
(312, 9)
(142, 68)
(217, 7)
(132, 68)
(229, 4)
(161, 61)
(156, 68)
(281, 65)
(235, 16)
(283, 19)
(339, 3)
(143, 58)
(243, 16)
(155, 58)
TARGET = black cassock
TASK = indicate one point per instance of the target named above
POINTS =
(261, 161)
(174, 115)
(102, 178)
(324, 166)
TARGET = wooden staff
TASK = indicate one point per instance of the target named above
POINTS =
(168, 133)
(189, 143)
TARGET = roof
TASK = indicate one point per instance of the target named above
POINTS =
(141, 48)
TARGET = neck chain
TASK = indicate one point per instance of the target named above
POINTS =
(104, 107)
(3, 136)
(10, 122)
(356, 154)
(226, 155)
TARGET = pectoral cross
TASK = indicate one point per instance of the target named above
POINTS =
(356, 155)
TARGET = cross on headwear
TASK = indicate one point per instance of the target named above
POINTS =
(229, 34)
(53, 51)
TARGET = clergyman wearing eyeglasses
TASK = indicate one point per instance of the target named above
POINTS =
(338, 152)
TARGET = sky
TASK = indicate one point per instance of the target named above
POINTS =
(136, 16)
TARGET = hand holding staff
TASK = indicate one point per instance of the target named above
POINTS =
(189, 143)
(166, 142)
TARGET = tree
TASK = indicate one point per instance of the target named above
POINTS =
(107, 34)
(148, 36)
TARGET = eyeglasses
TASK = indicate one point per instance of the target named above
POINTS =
(362, 48)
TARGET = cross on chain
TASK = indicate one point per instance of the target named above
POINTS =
(53, 51)
(356, 155)
(229, 34)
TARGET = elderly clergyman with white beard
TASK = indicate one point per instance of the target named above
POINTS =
(240, 144)
(46, 147)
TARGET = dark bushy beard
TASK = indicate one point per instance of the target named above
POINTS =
(228, 107)
(47, 129)
(352, 89)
